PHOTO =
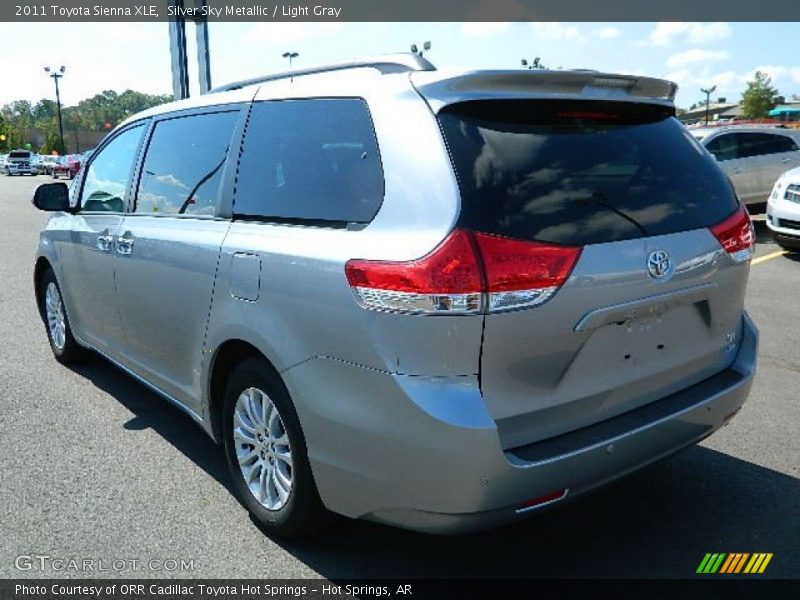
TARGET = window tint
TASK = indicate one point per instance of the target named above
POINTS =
(724, 147)
(310, 161)
(577, 172)
(108, 174)
(757, 144)
(182, 169)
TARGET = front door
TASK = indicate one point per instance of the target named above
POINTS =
(87, 248)
(167, 251)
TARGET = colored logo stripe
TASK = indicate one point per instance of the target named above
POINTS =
(733, 563)
(711, 563)
(758, 563)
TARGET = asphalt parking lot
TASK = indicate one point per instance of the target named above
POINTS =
(95, 466)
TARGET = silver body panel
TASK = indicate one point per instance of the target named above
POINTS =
(391, 404)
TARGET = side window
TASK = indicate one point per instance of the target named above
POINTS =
(724, 147)
(758, 144)
(109, 173)
(310, 161)
(182, 169)
(776, 144)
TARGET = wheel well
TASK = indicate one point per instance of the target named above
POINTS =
(42, 265)
(227, 356)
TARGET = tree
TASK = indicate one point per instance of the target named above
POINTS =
(97, 113)
(759, 98)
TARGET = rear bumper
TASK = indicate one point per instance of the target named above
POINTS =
(423, 453)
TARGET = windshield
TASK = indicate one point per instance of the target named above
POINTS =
(578, 172)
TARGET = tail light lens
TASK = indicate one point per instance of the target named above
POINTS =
(736, 235)
(447, 280)
(521, 274)
(467, 273)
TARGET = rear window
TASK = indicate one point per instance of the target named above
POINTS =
(578, 173)
(310, 161)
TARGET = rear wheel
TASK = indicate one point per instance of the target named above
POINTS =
(59, 333)
(266, 452)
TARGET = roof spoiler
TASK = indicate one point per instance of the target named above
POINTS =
(440, 89)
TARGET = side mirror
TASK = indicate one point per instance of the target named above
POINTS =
(52, 197)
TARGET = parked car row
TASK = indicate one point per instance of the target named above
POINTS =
(26, 162)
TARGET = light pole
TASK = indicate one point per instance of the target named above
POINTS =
(425, 47)
(291, 56)
(708, 93)
(56, 75)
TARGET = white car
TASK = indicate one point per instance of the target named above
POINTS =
(783, 210)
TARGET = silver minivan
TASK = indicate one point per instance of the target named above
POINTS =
(442, 301)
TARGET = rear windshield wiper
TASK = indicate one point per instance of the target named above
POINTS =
(600, 199)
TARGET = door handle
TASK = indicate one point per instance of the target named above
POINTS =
(786, 160)
(736, 171)
(104, 241)
(125, 244)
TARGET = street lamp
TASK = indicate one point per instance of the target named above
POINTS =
(425, 47)
(56, 75)
(708, 93)
(291, 56)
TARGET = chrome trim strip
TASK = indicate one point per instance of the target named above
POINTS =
(535, 506)
(643, 307)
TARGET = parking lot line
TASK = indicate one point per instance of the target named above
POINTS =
(766, 257)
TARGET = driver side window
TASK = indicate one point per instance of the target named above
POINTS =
(108, 174)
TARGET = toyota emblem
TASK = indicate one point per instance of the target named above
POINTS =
(659, 264)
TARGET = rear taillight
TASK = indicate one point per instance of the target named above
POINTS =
(467, 273)
(521, 274)
(736, 235)
(448, 280)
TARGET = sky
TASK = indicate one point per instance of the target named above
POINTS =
(101, 56)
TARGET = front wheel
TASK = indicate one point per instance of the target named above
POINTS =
(59, 333)
(266, 452)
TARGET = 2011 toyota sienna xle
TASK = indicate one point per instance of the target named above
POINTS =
(440, 301)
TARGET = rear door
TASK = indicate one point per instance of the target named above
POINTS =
(652, 304)
(741, 167)
(780, 153)
(168, 246)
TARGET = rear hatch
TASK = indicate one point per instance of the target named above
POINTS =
(643, 242)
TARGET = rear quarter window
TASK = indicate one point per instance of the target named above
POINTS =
(578, 173)
(310, 161)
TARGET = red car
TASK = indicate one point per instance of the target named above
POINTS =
(68, 165)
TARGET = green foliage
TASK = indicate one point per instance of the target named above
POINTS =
(759, 97)
(98, 113)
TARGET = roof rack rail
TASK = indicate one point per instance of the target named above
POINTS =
(387, 63)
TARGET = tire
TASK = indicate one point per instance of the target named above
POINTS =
(293, 514)
(59, 332)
